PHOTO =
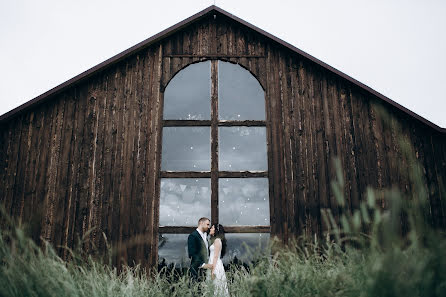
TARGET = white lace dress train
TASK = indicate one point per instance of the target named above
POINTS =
(220, 282)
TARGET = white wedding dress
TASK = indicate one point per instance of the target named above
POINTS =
(220, 283)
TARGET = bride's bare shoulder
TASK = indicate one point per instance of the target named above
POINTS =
(218, 241)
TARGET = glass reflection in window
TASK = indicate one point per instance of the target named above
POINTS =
(245, 247)
(186, 149)
(240, 95)
(243, 201)
(184, 200)
(242, 149)
(172, 250)
(188, 94)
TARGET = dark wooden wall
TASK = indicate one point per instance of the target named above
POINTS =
(89, 157)
(87, 160)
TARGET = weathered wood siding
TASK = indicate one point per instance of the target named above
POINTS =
(87, 159)
(90, 157)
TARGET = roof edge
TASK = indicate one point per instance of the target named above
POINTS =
(172, 29)
(334, 70)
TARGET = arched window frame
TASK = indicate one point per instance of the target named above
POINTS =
(214, 123)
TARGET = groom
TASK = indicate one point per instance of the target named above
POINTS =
(198, 249)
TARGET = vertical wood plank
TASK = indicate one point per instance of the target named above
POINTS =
(321, 170)
(291, 145)
(13, 163)
(65, 219)
(287, 176)
(214, 142)
(303, 140)
(350, 149)
(61, 191)
(313, 202)
(23, 158)
(150, 212)
(52, 171)
(157, 122)
(116, 176)
(329, 145)
(299, 206)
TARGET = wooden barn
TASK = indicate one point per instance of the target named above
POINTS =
(211, 117)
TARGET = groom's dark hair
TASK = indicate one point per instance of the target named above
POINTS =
(202, 219)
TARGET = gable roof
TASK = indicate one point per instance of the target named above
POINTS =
(171, 30)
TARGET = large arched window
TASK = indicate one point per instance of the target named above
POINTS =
(214, 159)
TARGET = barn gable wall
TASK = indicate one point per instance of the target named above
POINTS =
(90, 157)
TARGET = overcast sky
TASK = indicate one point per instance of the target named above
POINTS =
(395, 47)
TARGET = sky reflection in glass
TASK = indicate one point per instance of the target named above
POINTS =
(172, 249)
(186, 149)
(243, 201)
(257, 244)
(184, 200)
(240, 95)
(188, 94)
(242, 148)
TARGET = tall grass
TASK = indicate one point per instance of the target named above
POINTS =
(347, 262)
(28, 270)
(365, 253)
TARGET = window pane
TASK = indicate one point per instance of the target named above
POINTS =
(188, 94)
(172, 250)
(236, 249)
(242, 148)
(243, 201)
(240, 95)
(186, 149)
(184, 200)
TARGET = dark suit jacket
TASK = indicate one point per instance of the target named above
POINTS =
(198, 253)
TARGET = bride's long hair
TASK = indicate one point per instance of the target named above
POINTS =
(220, 233)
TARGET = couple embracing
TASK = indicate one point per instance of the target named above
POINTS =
(206, 255)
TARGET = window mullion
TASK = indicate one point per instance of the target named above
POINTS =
(214, 141)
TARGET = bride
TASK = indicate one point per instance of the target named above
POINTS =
(215, 265)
